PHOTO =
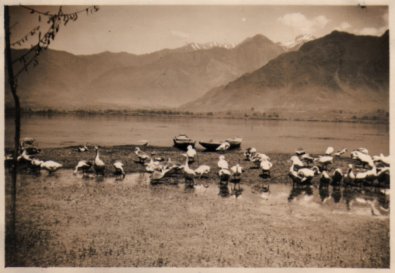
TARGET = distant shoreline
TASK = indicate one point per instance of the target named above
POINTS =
(379, 118)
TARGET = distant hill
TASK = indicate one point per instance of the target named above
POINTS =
(338, 72)
(164, 78)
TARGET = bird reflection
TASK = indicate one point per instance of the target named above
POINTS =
(298, 189)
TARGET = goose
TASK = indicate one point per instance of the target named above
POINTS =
(224, 146)
(158, 175)
(141, 155)
(266, 165)
(202, 170)
(82, 149)
(381, 159)
(296, 179)
(191, 153)
(187, 170)
(236, 171)
(35, 163)
(98, 164)
(249, 153)
(363, 150)
(24, 157)
(325, 178)
(383, 176)
(119, 172)
(296, 162)
(307, 158)
(50, 166)
(324, 161)
(339, 153)
(83, 165)
(337, 177)
(365, 159)
(367, 175)
(329, 151)
(222, 163)
(308, 174)
(349, 176)
(224, 175)
(300, 152)
(153, 165)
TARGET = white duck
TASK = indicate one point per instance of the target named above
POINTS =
(98, 164)
(83, 165)
(236, 171)
(191, 153)
(266, 165)
(224, 174)
(153, 165)
(222, 163)
(329, 151)
(224, 146)
(119, 171)
(202, 170)
(307, 174)
(51, 166)
(296, 162)
(141, 155)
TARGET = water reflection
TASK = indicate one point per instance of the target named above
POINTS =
(336, 194)
(324, 192)
(300, 189)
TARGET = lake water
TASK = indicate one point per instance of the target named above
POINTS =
(265, 135)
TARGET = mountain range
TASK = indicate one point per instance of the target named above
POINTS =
(166, 78)
(338, 72)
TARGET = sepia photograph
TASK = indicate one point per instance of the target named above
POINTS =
(196, 135)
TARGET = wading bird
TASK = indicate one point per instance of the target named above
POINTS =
(118, 169)
(82, 165)
(98, 164)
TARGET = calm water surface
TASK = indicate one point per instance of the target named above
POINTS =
(266, 136)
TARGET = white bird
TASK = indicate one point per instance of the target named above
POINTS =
(329, 151)
(307, 158)
(224, 146)
(98, 164)
(83, 148)
(300, 152)
(158, 175)
(187, 170)
(153, 165)
(141, 155)
(249, 153)
(339, 153)
(222, 163)
(381, 158)
(24, 156)
(325, 178)
(51, 166)
(118, 166)
(362, 157)
(337, 177)
(296, 161)
(224, 174)
(363, 150)
(202, 170)
(236, 170)
(35, 163)
(191, 153)
(307, 174)
(266, 165)
(83, 165)
(325, 159)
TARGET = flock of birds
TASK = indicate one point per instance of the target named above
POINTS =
(303, 168)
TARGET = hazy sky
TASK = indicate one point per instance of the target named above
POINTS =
(143, 29)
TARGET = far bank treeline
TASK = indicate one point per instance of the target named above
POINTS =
(378, 116)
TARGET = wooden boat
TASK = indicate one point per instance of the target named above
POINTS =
(210, 145)
(234, 142)
(183, 141)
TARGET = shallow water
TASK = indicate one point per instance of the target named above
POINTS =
(266, 136)
(338, 201)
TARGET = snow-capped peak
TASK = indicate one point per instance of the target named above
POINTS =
(199, 46)
(298, 41)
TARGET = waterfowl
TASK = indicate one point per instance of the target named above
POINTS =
(329, 151)
(191, 153)
(324, 161)
(325, 178)
(224, 146)
(98, 164)
(381, 159)
(141, 155)
(365, 159)
(337, 177)
(187, 170)
(296, 162)
(35, 164)
(249, 153)
(202, 170)
(24, 157)
(293, 174)
(153, 165)
(222, 163)
(158, 175)
(82, 165)
(308, 159)
(51, 166)
(118, 167)
(224, 175)
(339, 153)
(266, 165)
(308, 174)
(83, 149)
(236, 171)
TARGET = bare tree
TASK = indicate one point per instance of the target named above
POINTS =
(29, 58)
